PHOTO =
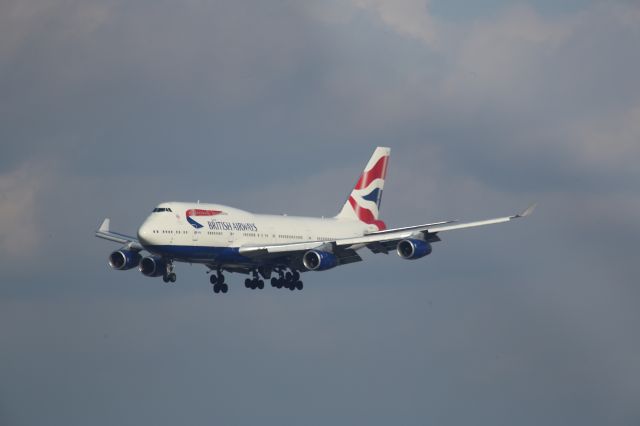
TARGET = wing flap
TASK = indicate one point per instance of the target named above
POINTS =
(280, 248)
(296, 250)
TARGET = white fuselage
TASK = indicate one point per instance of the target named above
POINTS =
(188, 230)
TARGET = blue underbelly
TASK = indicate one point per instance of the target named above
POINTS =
(200, 253)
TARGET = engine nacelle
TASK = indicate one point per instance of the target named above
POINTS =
(124, 259)
(152, 266)
(411, 249)
(315, 260)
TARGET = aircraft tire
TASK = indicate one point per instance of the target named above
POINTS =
(299, 285)
(260, 284)
(172, 277)
(216, 288)
(165, 278)
(224, 288)
(296, 276)
(213, 279)
(247, 283)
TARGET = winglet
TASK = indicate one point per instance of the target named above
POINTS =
(528, 211)
(105, 225)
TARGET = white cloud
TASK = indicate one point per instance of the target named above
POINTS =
(407, 17)
(501, 57)
(21, 21)
(19, 230)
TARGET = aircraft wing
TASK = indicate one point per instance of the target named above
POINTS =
(377, 242)
(104, 232)
(383, 241)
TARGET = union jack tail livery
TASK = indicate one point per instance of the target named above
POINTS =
(363, 203)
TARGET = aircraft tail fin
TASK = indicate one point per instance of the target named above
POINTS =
(363, 203)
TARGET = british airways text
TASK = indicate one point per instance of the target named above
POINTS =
(232, 226)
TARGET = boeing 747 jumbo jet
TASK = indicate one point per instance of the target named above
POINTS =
(279, 248)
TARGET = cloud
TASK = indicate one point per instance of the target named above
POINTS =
(410, 18)
(21, 233)
(608, 143)
(275, 106)
(500, 58)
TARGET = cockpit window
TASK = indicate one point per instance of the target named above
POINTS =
(161, 209)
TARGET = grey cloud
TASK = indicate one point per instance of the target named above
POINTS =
(108, 108)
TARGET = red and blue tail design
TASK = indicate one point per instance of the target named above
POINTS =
(364, 201)
(199, 212)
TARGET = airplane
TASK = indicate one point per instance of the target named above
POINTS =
(275, 247)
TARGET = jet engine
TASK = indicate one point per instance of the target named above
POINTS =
(152, 266)
(315, 260)
(411, 249)
(124, 259)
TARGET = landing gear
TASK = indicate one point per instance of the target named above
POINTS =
(218, 283)
(286, 278)
(254, 282)
(220, 288)
(169, 275)
(290, 280)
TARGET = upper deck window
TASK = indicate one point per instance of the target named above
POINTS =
(161, 209)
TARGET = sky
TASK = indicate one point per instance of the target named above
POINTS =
(108, 108)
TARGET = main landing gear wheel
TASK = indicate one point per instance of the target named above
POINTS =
(254, 283)
(218, 283)
(217, 288)
(290, 280)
